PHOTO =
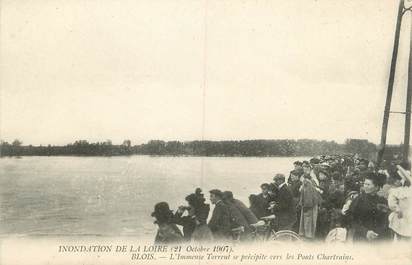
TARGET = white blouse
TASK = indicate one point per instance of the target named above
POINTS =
(400, 203)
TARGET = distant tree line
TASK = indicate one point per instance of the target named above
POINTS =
(78, 148)
(303, 147)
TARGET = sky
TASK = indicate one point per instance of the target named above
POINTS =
(190, 70)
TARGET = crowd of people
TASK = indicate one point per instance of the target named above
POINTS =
(336, 198)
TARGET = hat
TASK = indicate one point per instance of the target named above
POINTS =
(294, 172)
(162, 212)
(305, 164)
(314, 160)
(279, 176)
(265, 185)
(196, 199)
(161, 207)
(298, 163)
(216, 192)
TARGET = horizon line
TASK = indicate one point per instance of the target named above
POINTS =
(198, 140)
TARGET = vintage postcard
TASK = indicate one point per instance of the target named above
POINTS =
(205, 132)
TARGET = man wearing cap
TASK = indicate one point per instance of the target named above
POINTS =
(237, 218)
(219, 224)
(284, 207)
(298, 168)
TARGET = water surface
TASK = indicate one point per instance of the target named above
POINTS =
(114, 196)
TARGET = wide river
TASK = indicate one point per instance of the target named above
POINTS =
(114, 196)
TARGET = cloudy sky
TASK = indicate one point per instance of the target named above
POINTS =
(210, 69)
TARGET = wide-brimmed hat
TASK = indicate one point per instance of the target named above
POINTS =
(161, 208)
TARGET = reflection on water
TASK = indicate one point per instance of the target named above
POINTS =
(115, 195)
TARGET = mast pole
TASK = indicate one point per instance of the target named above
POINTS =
(390, 83)
(408, 105)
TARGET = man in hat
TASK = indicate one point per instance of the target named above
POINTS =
(219, 223)
(284, 207)
(298, 168)
(237, 218)
(314, 161)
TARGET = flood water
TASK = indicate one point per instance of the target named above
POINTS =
(114, 196)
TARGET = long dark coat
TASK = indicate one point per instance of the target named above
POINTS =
(246, 212)
(237, 219)
(219, 224)
(285, 209)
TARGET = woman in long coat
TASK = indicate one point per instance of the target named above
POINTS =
(309, 201)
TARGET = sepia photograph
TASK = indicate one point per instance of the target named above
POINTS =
(205, 132)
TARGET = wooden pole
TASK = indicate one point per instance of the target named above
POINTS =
(390, 83)
(408, 105)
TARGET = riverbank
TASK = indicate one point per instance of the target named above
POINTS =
(243, 148)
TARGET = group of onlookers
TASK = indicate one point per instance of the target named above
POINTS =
(330, 198)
